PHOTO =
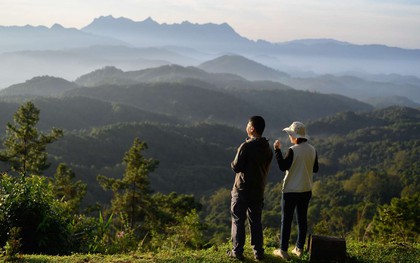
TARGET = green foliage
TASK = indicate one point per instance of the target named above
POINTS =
(272, 206)
(28, 203)
(398, 221)
(69, 192)
(217, 215)
(132, 192)
(382, 253)
(85, 233)
(185, 233)
(372, 187)
(101, 234)
(125, 238)
(13, 245)
(176, 223)
(171, 207)
(25, 147)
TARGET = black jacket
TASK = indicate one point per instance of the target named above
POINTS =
(251, 165)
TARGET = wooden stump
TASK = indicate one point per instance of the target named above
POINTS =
(326, 249)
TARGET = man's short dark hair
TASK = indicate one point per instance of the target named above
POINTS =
(258, 123)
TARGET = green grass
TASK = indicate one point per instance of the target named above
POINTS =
(357, 252)
(374, 252)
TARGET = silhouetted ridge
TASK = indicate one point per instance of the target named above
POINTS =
(40, 86)
(242, 66)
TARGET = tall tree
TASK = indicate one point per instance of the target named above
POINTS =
(66, 189)
(25, 147)
(132, 194)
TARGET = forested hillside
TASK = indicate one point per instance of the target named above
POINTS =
(79, 113)
(169, 92)
(369, 159)
(193, 159)
(222, 98)
(191, 119)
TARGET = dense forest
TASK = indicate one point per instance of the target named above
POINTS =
(143, 157)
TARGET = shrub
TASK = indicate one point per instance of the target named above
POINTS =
(28, 203)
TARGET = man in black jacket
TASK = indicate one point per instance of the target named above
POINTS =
(251, 165)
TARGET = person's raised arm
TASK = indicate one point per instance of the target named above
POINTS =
(286, 162)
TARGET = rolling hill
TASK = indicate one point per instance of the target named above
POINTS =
(190, 94)
(242, 66)
(190, 103)
(39, 86)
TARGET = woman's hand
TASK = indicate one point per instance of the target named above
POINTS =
(277, 145)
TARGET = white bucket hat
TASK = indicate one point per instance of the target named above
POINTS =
(297, 130)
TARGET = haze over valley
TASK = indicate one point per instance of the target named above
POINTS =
(364, 72)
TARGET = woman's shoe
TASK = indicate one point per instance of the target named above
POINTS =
(281, 253)
(297, 251)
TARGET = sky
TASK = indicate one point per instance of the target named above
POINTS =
(389, 22)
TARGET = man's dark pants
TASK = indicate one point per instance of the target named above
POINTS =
(242, 208)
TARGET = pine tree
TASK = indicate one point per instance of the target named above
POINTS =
(65, 189)
(25, 147)
(132, 194)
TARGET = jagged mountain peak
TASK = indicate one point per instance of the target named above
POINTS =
(151, 33)
(150, 20)
(121, 23)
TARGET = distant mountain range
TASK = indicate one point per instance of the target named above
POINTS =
(147, 33)
(31, 51)
(377, 74)
(26, 38)
(107, 30)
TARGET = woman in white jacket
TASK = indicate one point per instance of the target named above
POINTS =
(300, 162)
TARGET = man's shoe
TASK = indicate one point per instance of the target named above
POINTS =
(281, 253)
(232, 254)
(297, 251)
